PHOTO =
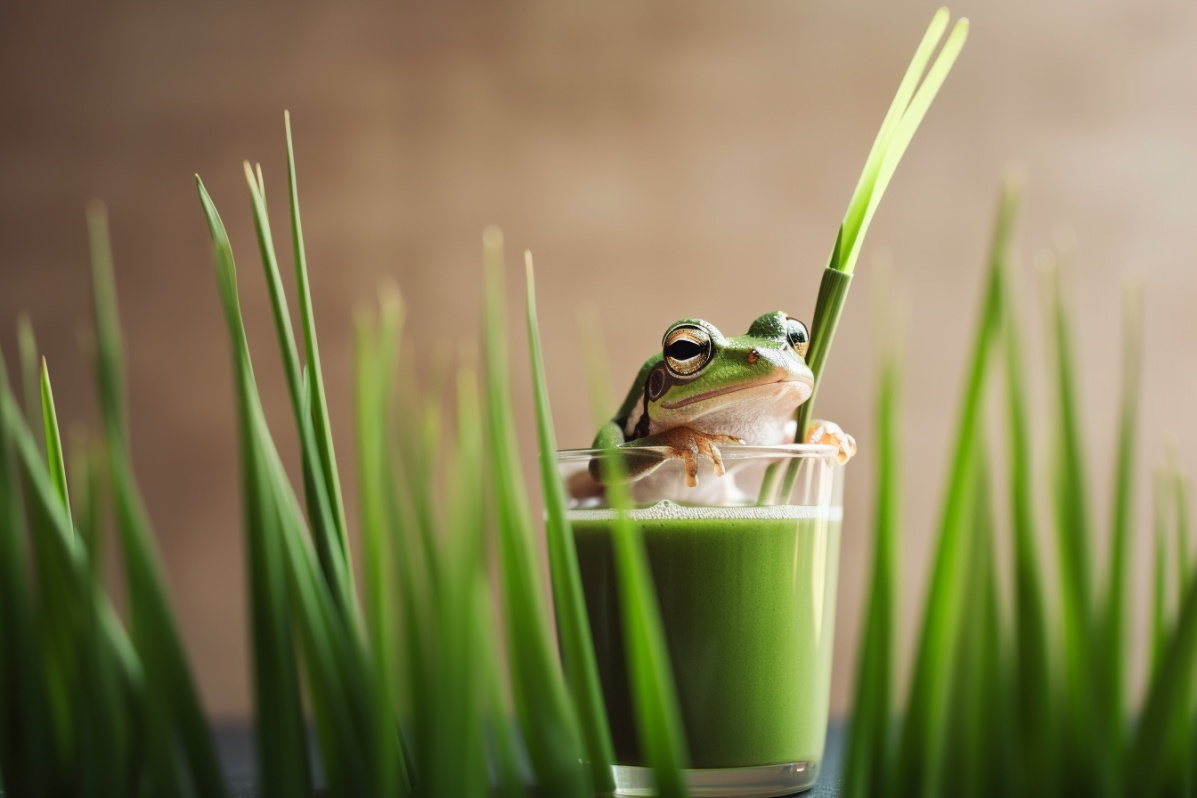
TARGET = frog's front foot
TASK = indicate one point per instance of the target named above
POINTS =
(828, 432)
(688, 445)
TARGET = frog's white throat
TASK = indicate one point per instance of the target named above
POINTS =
(756, 414)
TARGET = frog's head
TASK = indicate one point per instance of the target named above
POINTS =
(703, 375)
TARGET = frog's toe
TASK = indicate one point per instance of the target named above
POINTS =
(828, 432)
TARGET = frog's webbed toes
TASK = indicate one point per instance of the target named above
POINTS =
(828, 432)
(689, 445)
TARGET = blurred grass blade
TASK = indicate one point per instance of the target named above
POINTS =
(867, 757)
(923, 734)
(24, 713)
(171, 696)
(1160, 507)
(1166, 705)
(1113, 659)
(281, 733)
(1091, 738)
(319, 404)
(573, 625)
(329, 537)
(654, 695)
(1034, 701)
(546, 715)
(53, 439)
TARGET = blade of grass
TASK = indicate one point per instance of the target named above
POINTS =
(1159, 634)
(911, 101)
(281, 733)
(547, 719)
(573, 625)
(25, 741)
(1114, 627)
(923, 733)
(654, 695)
(1090, 754)
(319, 405)
(867, 757)
(171, 695)
(1035, 714)
(331, 545)
(1151, 750)
(53, 439)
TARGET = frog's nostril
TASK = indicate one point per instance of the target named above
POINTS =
(754, 356)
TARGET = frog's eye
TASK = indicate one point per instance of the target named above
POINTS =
(687, 349)
(798, 336)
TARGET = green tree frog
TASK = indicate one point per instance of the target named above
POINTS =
(703, 390)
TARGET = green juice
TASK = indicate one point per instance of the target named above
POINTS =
(747, 599)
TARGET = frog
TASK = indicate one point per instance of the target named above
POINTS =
(703, 390)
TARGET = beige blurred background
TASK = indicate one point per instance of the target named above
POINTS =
(661, 160)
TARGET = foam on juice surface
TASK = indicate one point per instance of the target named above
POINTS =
(667, 511)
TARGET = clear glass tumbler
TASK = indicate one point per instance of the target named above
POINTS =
(745, 568)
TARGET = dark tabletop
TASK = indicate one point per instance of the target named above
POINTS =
(235, 743)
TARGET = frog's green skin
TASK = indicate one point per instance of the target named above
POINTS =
(703, 388)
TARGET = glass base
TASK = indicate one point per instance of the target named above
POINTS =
(765, 781)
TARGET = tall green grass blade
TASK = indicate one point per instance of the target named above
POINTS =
(331, 545)
(458, 761)
(24, 714)
(319, 404)
(1113, 658)
(1166, 704)
(53, 439)
(283, 767)
(902, 133)
(1159, 633)
(654, 695)
(1091, 737)
(1032, 670)
(868, 755)
(573, 625)
(546, 715)
(374, 358)
(171, 696)
(923, 733)
(911, 102)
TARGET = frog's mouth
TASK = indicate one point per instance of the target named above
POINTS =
(765, 387)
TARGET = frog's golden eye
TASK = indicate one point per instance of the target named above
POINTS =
(798, 336)
(687, 349)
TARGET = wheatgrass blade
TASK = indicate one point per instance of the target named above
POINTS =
(1160, 506)
(897, 133)
(319, 404)
(509, 770)
(1152, 752)
(1179, 734)
(375, 353)
(331, 545)
(867, 764)
(280, 729)
(25, 741)
(1035, 713)
(1088, 738)
(1113, 657)
(546, 714)
(53, 439)
(911, 101)
(174, 711)
(573, 625)
(654, 695)
(923, 733)
(457, 761)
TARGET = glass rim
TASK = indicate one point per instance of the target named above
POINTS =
(729, 452)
